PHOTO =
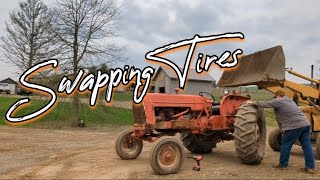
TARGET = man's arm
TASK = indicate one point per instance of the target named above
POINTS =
(267, 104)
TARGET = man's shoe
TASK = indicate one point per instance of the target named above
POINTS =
(279, 167)
(307, 170)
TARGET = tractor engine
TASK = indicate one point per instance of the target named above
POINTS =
(178, 112)
(159, 108)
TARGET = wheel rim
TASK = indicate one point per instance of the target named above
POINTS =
(168, 156)
(130, 145)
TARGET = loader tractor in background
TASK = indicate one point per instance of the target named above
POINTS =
(266, 69)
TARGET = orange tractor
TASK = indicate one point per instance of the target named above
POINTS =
(201, 121)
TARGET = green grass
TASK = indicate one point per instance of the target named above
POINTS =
(270, 118)
(5, 103)
(60, 116)
(117, 96)
(122, 96)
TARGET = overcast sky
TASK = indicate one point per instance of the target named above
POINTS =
(147, 25)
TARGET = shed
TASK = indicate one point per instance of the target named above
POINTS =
(166, 81)
(8, 85)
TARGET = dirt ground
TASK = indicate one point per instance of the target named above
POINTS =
(69, 154)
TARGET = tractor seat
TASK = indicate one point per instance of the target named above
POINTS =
(216, 110)
(216, 103)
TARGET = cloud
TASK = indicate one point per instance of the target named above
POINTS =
(265, 24)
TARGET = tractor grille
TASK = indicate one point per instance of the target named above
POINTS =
(139, 114)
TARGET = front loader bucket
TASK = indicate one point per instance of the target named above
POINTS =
(262, 68)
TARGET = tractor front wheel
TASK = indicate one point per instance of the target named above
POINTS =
(275, 139)
(250, 134)
(167, 155)
(128, 147)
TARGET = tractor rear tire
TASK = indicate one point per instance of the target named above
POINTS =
(275, 139)
(195, 144)
(167, 155)
(128, 147)
(250, 134)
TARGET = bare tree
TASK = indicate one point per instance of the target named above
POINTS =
(85, 28)
(28, 39)
(104, 68)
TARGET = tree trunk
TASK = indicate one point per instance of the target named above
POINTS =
(75, 103)
(75, 110)
(75, 119)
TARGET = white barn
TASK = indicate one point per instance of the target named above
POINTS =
(166, 81)
(8, 86)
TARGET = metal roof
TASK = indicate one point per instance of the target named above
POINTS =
(9, 81)
(192, 74)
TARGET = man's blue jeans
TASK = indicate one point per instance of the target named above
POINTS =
(288, 139)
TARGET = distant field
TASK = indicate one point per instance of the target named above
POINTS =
(59, 117)
(270, 118)
(117, 96)
(256, 95)
(122, 96)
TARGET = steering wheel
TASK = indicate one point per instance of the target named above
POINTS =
(207, 94)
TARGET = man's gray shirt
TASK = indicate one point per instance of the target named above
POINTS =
(288, 115)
